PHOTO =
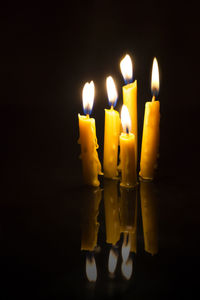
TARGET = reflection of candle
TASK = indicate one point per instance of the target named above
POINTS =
(127, 151)
(150, 138)
(128, 210)
(88, 140)
(149, 216)
(91, 268)
(111, 206)
(130, 95)
(111, 132)
(89, 213)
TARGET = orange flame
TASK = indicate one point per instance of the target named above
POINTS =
(88, 97)
(127, 68)
(111, 90)
(125, 119)
(155, 84)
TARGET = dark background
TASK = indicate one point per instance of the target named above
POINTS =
(48, 51)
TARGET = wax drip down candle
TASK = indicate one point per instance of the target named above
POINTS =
(111, 132)
(129, 91)
(87, 139)
(151, 130)
(127, 151)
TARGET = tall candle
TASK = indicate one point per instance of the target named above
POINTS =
(87, 130)
(151, 131)
(127, 151)
(130, 95)
(111, 132)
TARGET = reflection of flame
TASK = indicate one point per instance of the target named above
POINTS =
(125, 119)
(88, 97)
(91, 269)
(126, 246)
(155, 78)
(127, 268)
(127, 68)
(112, 91)
(112, 261)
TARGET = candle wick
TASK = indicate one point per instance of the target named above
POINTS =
(111, 107)
(153, 98)
(87, 116)
(127, 130)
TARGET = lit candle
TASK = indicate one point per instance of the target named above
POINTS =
(151, 131)
(111, 132)
(88, 140)
(130, 95)
(127, 151)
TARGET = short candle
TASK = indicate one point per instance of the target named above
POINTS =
(127, 151)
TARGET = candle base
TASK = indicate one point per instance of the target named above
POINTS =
(145, 179)
(129, 186)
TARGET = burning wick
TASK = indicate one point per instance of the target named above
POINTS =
(125, 119)
(91, 268)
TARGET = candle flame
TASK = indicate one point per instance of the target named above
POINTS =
(88, 97)
(91, 269)
(155, 78)
(112, 261)
(112, 91)
(127, 269)
(126, 247)
(125, 119)
(127, 69)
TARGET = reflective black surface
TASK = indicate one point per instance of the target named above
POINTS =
(41, 245)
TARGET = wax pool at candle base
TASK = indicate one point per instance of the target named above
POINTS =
(150, 140)
(90, 161)
(111, 142)
(127, 156)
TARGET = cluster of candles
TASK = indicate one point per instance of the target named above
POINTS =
(122, 132)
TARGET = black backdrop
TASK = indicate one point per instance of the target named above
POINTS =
(48, 51)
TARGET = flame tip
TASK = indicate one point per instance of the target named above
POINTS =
(111, 91)
(88, 97)
(127, 68)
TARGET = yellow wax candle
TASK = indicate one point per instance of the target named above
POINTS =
(151, 131)
(127, 152)
(87, 131)
(111, 133)
(130, 95)
(89, 214)
(149, 216)
(111, 206)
